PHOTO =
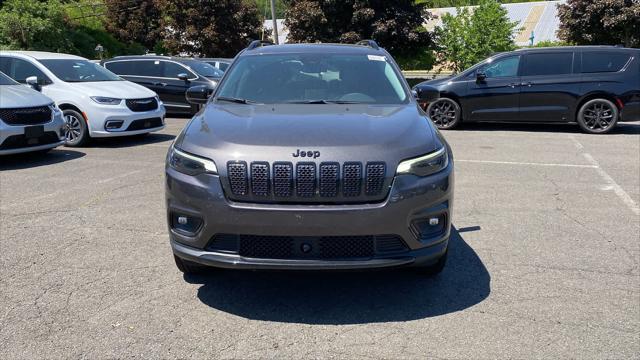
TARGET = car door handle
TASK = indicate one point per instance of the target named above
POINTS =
(160, 84)
(526, 84)
(513, 85)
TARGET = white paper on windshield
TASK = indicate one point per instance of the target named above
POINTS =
(377, 57)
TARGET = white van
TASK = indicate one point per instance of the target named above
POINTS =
(95, 102)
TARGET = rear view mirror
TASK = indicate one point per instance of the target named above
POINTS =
(480, 76)
(183, 76)
(427, 93)
(199, 94)
(33, 82)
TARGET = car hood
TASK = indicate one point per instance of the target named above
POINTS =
(436, 82)
(115, 89)
(339, 133)
(15, 96)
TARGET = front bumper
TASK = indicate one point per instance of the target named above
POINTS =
(410, 198)
(631, 111)
(98, 115)
(52, 129)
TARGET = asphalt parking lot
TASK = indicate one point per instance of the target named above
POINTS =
(544, 262)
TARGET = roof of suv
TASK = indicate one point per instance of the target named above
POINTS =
(42, 55)
(574, 48)
(314, 48)
(151, 57)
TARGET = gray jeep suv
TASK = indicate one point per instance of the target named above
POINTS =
(310, 156)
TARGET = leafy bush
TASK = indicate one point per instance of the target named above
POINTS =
(470, 36)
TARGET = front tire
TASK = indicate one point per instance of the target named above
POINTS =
(445, 113)
(76, 131)
(433, 269)
(597, 116)
(188, 267)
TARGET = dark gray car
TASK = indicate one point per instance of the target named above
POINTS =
(310, 157)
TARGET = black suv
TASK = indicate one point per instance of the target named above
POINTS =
(169, 77)
(310, 156)
(595, 86)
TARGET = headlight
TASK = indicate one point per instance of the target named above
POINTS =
(190, 164)
(425, 165)
(106, 100)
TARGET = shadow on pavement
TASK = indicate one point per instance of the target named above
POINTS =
(129, 141)
(35, 159)
(620, 129)
(349, 297)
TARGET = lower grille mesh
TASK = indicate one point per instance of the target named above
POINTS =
(291, 247)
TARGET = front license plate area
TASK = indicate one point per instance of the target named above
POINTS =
(31, 132)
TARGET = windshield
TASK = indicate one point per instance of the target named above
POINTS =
(313, 78)
(71, 70)
(5, 80)
(204, 69)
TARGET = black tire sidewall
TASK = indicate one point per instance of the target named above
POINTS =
(84, 133)
(583, 125)
(451, 125)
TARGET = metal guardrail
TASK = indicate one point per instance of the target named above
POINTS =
(427, 75)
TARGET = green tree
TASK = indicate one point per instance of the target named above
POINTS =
(610, 22)
(209, 27)
(134, 21)
(34, 25)
(394, 24)
(474, 34)
(264, 7)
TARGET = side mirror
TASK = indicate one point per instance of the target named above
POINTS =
(427, 93)
(183, 76)
(199, 94)
(480, 76)
(33, 82)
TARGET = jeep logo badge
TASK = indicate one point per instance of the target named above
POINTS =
(301, 153)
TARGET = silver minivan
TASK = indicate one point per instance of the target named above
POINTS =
(29, 121)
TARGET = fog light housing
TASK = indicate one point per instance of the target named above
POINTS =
(113, 125)
(185, 224)
(430, 227)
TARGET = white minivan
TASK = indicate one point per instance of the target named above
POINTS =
(95, 102)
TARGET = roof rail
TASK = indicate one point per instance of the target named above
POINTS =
(369, 43)
(258, 43)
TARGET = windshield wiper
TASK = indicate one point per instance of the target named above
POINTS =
(235, 100)
(319, 101)
(322, 101)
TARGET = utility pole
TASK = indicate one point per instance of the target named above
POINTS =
(275, 22)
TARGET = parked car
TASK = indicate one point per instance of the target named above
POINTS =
(310, 156)
(95, 102)
(595, 86)
(29, 121)
(169, 77)
(219, 63)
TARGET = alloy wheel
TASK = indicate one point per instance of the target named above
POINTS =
(72, 128)
(598, 116)
(443, 113)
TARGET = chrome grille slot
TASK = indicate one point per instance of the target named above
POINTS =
(352, 179)
(282, 179)
(260, 178)
(375, 178)
(329, 178)
(305, 179)
(238, 177)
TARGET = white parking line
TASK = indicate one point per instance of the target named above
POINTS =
(119, 176)
(617, 189)
(526, 163)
